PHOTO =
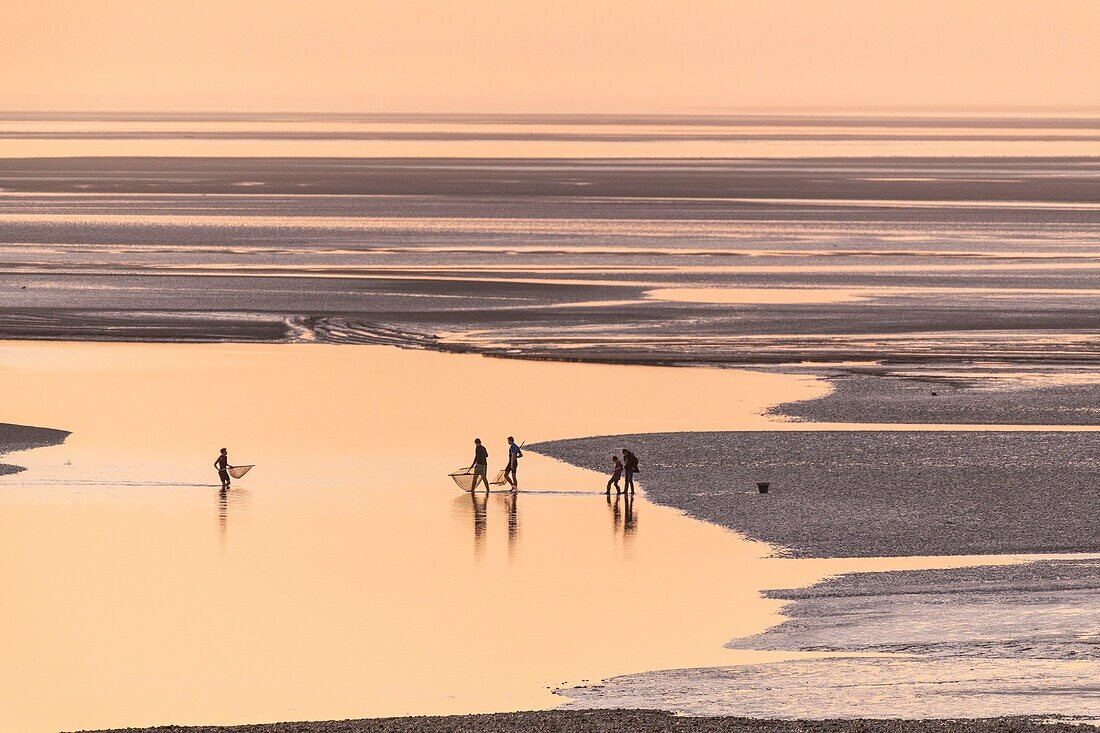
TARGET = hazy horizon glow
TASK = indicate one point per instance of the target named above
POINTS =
(487, 55)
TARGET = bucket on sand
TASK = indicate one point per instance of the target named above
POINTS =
(762, 486)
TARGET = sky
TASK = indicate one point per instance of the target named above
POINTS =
(548, 56)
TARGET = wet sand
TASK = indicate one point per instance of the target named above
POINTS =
(852, 688)
(1016, 639)
(1022, 610)
(834, 494)
(1052, 178)
(1012, 396)
(926, 260)
(915, 260)
(22, 437)
(634, 721)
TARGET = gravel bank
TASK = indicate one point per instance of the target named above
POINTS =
(630, 721)
(874, 494)
(24, 437)
(892, 398)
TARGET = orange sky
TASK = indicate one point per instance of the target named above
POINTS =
(540, 55)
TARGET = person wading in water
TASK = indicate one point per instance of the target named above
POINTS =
(222, 464)
(630, 467)
(514, 454)
(480, 466)
(616, 472)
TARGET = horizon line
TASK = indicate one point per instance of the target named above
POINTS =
(773, 113)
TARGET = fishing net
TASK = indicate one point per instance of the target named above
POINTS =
(464, 477)
(238, 471)
(499, 480)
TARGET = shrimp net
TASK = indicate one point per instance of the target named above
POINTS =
(464, 477)
(238, 471)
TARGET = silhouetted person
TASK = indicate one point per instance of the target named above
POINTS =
(480, 466)
(222, 464)
(514, 454)
(616, 472)
(630, 467)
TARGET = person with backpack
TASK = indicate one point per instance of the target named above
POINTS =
(630, 467)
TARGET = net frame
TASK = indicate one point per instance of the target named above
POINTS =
(464, 478)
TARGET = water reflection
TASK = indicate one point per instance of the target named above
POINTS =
(511, 501)
(630, 525)
(480, 504)
(236, 497)
(473, 510)
(624, 520)
(223, 512)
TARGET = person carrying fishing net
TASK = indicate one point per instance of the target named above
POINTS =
(514, 454)
(222, 464)
(227, 472)
(480, 466)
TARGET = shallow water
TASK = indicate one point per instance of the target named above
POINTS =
(345, 575)
(981, 641)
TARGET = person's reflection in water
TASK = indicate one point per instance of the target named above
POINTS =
(480, 504)
(223, 511)
(511, 500)
(630, 525)
(623, 516)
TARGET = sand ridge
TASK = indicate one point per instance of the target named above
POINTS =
(23, 437)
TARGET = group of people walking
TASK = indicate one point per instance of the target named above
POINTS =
(480, 466)
(624, 468)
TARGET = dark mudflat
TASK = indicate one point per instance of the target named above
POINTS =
(874, 493)
(924, 396)
(630, 721)
(24, 437)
